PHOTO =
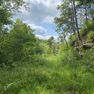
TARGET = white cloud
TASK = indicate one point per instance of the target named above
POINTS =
(39, 30)
(40, 12)
(43, 37)
(49, 19)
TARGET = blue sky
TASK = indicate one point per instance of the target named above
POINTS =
(40, 16)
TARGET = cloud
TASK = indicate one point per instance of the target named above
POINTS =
(40, 12)
(49, 19)
(39, 30)
(43, 37)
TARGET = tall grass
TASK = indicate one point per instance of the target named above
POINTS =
(65, 73)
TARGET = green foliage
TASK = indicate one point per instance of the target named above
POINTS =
(53, 46)
(11, 5)
(18, 44)
(6, 8)
(32, 66)
(87, 27)
(50, 41)
(91, 36)
(72, 40)
(65, 73)
(4, 16)
(4, 19)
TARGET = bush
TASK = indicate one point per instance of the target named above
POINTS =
(18, 44)
(91, 36)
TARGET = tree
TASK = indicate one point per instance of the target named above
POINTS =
(11, 5)
(88, 7)
(63, 38)
(21, 35)
(6, 10)
(50, 42)
(18, 44)
(76, 21)
(67, 22)
(5, 19)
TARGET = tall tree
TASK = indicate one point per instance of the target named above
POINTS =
(6, 9)
(20, 43)
(76, 21)
(67, 22)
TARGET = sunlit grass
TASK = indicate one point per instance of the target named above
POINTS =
(52, 76)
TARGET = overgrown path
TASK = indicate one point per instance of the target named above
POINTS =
(50, 76)
(39, 78)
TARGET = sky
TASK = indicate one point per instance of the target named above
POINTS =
(40, 17)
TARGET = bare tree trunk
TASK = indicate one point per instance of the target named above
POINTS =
(73, 21)
(85, 4)
(76, 22)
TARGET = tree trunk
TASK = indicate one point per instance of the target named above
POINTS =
(76, 22)
(85, 4)
(73, 21)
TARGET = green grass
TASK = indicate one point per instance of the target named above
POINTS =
(52, 76)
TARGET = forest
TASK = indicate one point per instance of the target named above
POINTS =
(29, 65)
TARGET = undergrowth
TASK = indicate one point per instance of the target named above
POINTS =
(64, 73)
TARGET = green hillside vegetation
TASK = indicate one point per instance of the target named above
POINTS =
(29, 65)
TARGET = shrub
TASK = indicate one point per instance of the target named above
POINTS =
(91, 36)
